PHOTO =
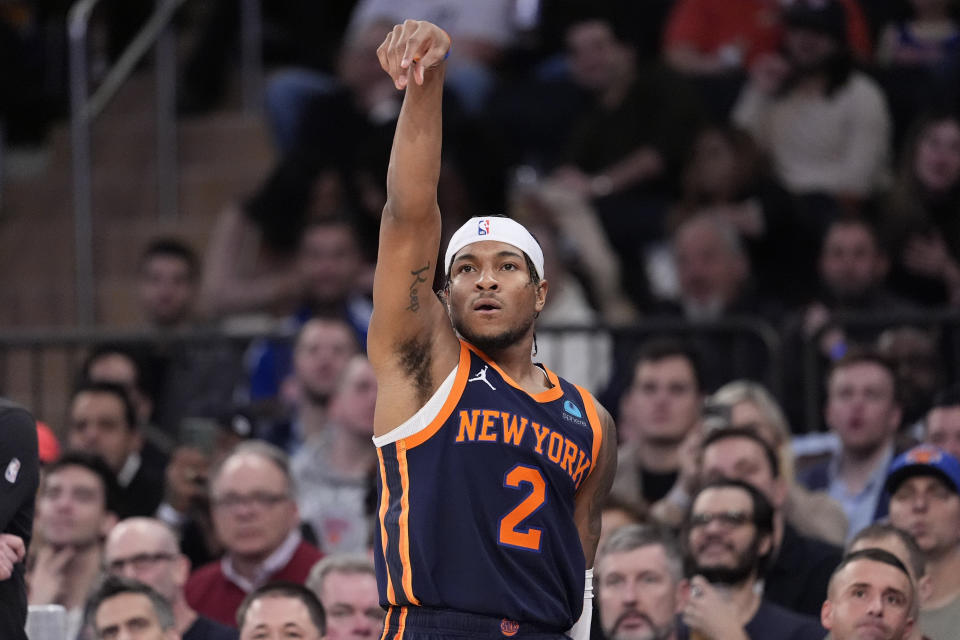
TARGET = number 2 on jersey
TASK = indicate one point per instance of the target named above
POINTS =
(509, 535)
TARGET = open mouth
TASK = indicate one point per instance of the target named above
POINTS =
(486, 304)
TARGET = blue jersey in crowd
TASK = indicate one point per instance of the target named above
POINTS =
(476, 498)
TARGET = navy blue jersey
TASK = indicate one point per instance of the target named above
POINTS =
(476, 498)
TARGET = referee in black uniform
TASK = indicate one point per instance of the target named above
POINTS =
(19, 467)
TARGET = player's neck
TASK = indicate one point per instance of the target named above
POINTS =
(516, 362)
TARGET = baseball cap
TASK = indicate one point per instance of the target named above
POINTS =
(497, 229)
(924, 460)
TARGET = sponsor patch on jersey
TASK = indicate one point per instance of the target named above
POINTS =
(572, 409)
(483, 227)
(509, 628)
(13, 470)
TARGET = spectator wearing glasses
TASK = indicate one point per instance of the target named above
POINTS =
(799, 567)
(146, 549)
(729, 539)
(257, 521)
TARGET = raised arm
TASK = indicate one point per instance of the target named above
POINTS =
(410, 340)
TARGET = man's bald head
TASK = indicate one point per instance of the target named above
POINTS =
(146, 549)
(145, 529)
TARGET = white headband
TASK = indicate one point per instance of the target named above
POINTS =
(496, 229)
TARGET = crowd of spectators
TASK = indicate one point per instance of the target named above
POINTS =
(691, 168)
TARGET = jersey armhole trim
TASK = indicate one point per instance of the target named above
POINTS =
(430, 417)
(594, 418)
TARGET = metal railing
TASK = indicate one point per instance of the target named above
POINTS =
(945, 324)
(157, 33)
(37, 367)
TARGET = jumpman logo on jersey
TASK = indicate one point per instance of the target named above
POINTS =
(482, 376)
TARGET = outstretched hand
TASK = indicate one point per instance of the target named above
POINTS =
(411, 49)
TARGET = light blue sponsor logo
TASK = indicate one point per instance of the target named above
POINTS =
(572, 409)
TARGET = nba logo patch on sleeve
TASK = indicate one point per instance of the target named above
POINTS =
(13, 470)
(483, 227)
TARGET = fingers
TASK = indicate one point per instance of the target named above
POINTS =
(8, 554)
(435, 48)
(6, 568)
(397, 48)
(410, 49)
(17, 543)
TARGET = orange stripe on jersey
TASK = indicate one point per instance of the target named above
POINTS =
(549, 395)
(459, 384)
(386, 623)
(594, 418)
(401, 625)
(384, 504)
(403, 523)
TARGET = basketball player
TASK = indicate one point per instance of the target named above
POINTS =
(493, 470)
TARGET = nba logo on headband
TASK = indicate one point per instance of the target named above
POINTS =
(494, 229)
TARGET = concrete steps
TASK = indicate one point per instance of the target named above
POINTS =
(221, 157)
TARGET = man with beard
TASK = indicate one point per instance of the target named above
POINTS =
(641, 589)
(800, 567)
(493, 470)
(924, 488)
(729, 538)
(870, 598)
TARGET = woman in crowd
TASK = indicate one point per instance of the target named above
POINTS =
(922, 213)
